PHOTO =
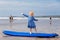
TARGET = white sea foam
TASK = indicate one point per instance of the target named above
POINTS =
(25, 18)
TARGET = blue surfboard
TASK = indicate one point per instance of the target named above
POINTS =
(27, 34)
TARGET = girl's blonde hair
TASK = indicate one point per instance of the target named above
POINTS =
(31, 13)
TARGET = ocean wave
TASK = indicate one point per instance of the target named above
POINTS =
(26, 18)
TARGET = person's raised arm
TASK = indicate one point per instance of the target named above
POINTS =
(24, 14)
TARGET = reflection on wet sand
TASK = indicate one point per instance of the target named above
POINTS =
(27, 38)
(21, 25)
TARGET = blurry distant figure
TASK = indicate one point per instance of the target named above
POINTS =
(11, 20)
(50, 20)
(31, 19)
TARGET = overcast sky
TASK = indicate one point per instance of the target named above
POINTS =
(40, 7)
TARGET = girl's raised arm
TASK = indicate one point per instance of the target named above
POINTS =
(24, 15)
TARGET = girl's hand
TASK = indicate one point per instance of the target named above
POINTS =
(22, 13)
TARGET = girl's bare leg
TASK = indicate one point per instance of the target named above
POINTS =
(35, 30)
(30, 30)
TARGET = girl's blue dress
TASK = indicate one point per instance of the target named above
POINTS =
(31, 23)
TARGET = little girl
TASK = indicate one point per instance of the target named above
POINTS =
(31, 19)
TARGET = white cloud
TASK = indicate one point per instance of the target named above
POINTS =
(38, 6)
(8, 2)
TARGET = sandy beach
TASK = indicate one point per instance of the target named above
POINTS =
(43, 26)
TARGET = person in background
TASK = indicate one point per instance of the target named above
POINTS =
(50, 20)
(31, 19)
(11, 20)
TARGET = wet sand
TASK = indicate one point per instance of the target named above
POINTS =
(43, 26)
